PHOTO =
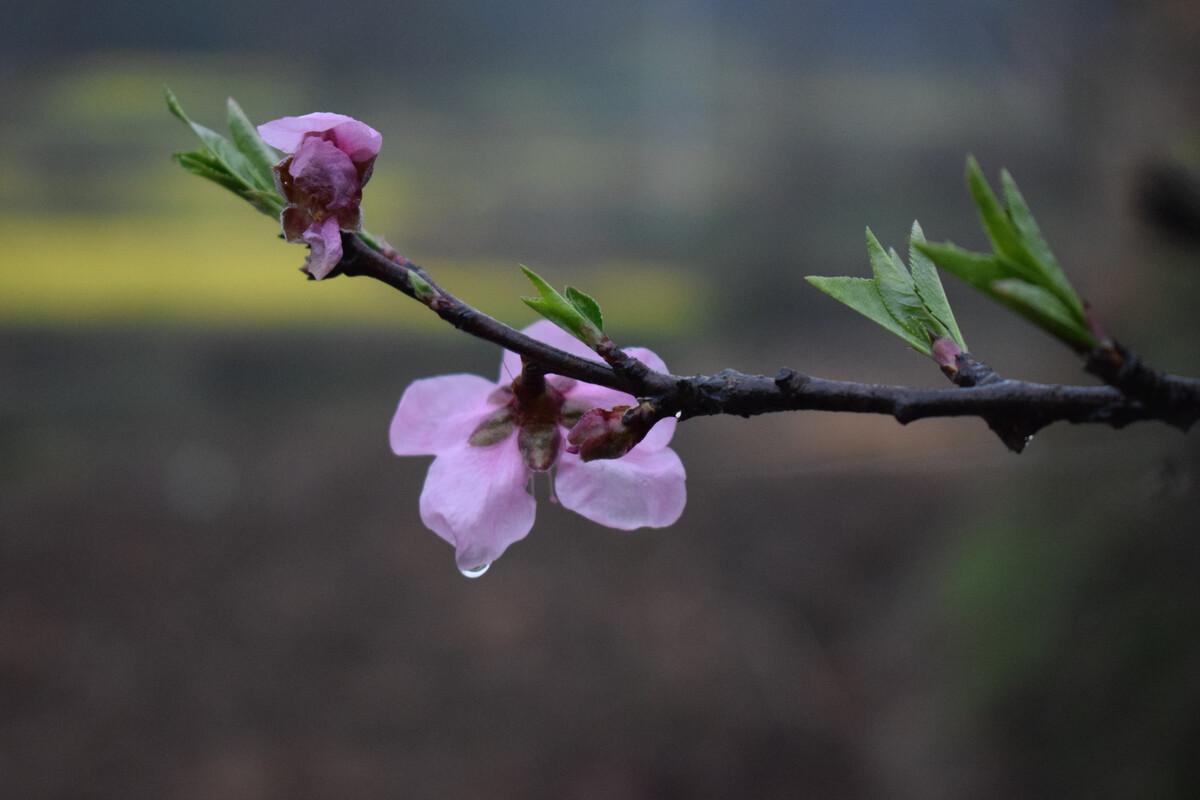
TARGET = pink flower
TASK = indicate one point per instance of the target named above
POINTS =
(488, 439)
(332, 156)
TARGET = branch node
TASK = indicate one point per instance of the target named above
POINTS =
(789, 381)
(1173, 399)
(972, 372)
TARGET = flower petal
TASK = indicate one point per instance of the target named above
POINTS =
(586, 393)
(643, 489)
(659, 436)
(551, 334)
(323, 178)
(593, 396)
(294, 221)
(359, 141)
(324, 242)
(286, 133)
(437, 414)
(475, 499)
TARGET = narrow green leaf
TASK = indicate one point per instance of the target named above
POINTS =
(1006, 241)
(221, 148)
(977, 269)
(585, 304)
(929, 285)
(204, 165)
(862, 295)
(544, 289)
(896, 289)
(1045, 310)
(269, 203)
(174, 107)
(556, 308)
(997, 224)
(1035, 244)
(258, 153)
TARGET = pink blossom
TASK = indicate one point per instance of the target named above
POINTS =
(488, 439)
(331, 158)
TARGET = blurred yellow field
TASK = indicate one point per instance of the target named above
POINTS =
(227, 268)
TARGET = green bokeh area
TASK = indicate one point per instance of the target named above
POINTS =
(214, 580)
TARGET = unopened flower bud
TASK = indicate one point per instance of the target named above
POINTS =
(945, 353)
(605, 433)
(331, 157)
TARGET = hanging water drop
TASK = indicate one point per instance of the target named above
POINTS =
(678, 415)
(475, 572)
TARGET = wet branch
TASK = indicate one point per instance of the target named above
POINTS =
(1014, 409)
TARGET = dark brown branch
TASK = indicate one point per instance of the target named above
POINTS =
(1014, 409)
(1174, 399)
(360, 259)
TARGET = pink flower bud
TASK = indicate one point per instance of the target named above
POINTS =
(603, 434)
(945, 353)
(332, 157)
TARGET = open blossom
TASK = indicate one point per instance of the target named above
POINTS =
(330, 159)
(488, 438)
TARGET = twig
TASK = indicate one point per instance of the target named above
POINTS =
(1014, 409)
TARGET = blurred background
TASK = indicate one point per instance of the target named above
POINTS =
(213, 579)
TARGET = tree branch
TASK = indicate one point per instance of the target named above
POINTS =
(1014, 409)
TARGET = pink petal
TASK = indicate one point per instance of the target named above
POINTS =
(475, 499)
(589, 394)
(324, 178)
(602, 397)
(294, 221)
(325, 248)
(659, 436)
(286, 133)
(437, 414)
(643, 489)
(356, 139)
(551, 334)
(647, 357)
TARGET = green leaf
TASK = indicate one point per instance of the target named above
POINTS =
(1035, 244)
(977, 269)
(1045, 310)
(260, 156)
(999, 228)
(1016, 237)
(896, 289)
(585, 304)
(862, 295)
(556, 308)
(199, 162)
(269, 203)
(929, 286)
(217, 145)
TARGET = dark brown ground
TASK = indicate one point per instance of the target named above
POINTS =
(214, 584)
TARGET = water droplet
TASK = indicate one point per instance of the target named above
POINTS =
(475, 572)
(678, 415)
